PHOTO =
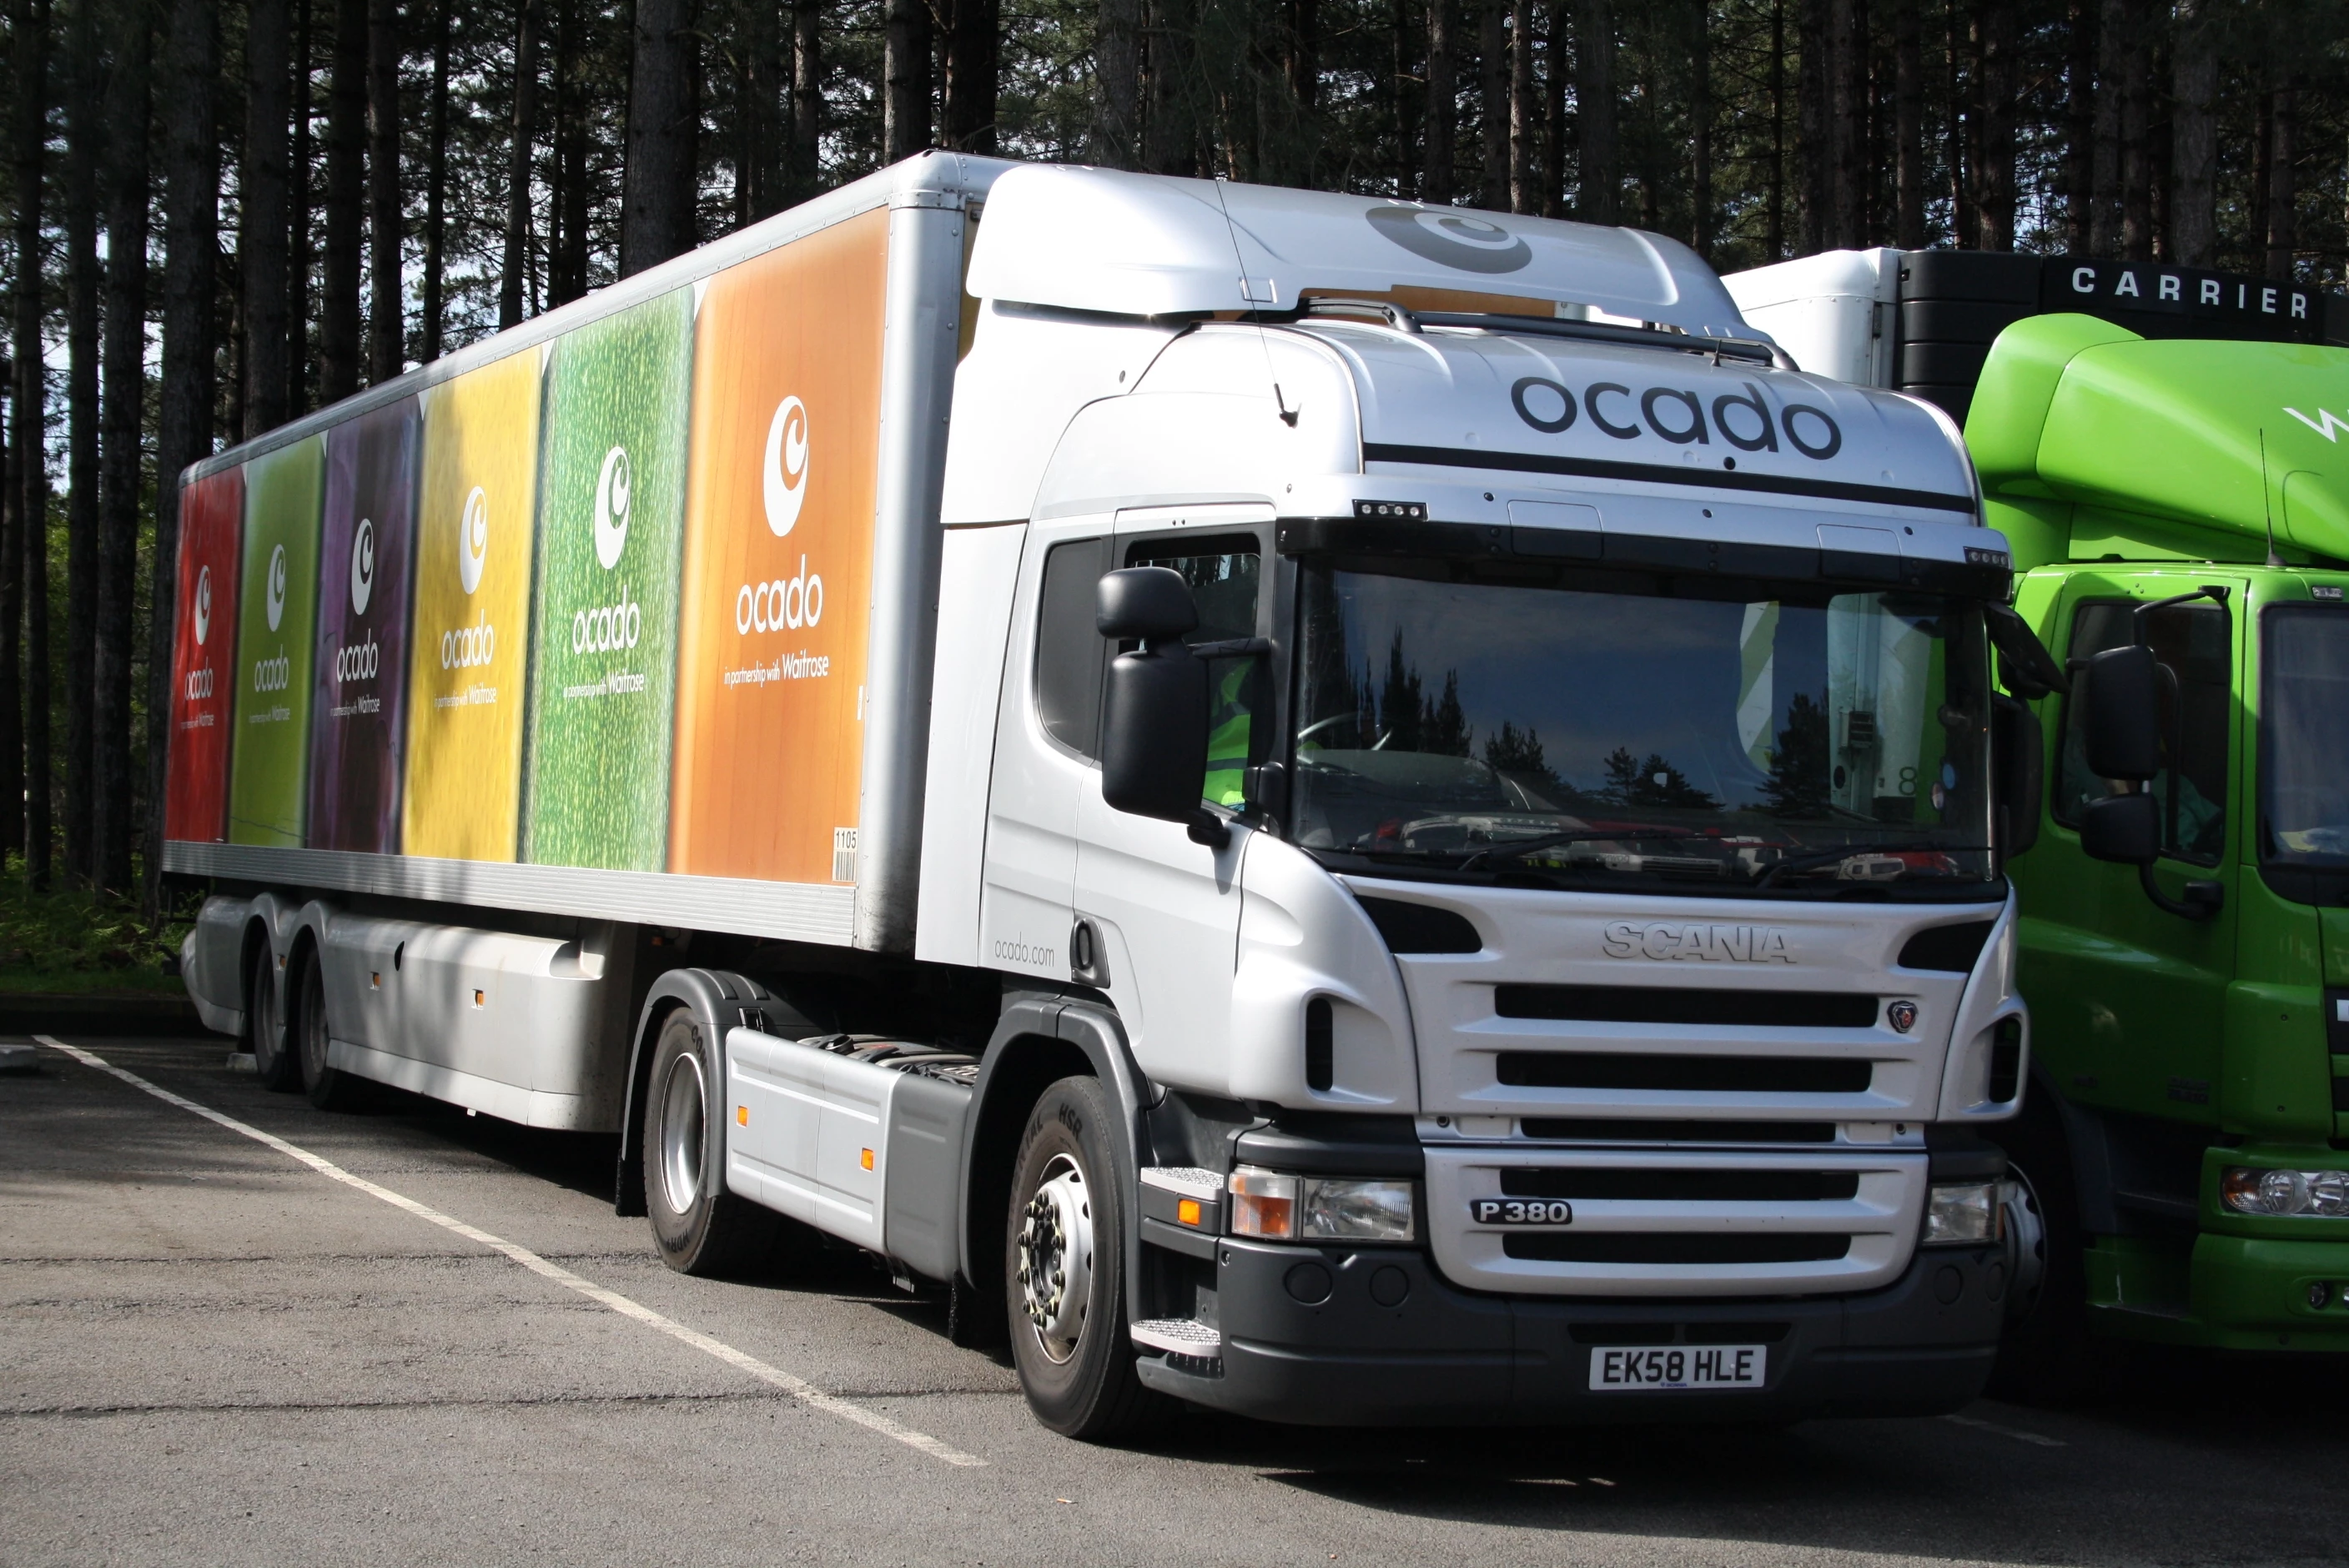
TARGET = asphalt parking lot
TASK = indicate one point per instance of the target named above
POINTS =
(414, 1336)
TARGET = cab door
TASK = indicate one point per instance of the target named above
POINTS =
(2129, 1001)
(1046, 725)
(1163, 910)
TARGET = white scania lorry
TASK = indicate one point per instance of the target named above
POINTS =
(1337, 809)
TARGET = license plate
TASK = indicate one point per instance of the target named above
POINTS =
(1521, 1210)
(1617, 1369)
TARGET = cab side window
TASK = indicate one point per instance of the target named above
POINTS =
(1069, 651)
(1226, 575)
(2194, 643)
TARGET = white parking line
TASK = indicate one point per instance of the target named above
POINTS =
(799, 1388)
(2019, 1434)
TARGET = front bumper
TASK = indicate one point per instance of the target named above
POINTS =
(1396, 1344)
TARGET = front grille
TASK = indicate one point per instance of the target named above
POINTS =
(1656, 1005)
(1691, 1074)
(1681, 1186)
(1642, 1130)
(1672, 1247)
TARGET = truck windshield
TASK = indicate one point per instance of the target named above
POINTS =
(1791, 739)
(2304, 743)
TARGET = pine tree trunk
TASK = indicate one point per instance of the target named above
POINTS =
(1525, 112)
(966, 116)
(1846, 110)
(436, 191)
(1442, 102)
(1909, 125)
(185, 426)
(386, 222)
(2079, 125)
(85, 85)
(1117, 86)
(299, 251)
(1701, 111)
(32, 39)
(516, 261)
(2194, 167)
(567, 268)
(2136, 134)
(127, 111)
(2282, 187)
(658, 186)
(346, 202)
(262, 216)
(1400, 122)
(1774, 239)
(1602, 175)
(1170, 125)
(1997, 83)
(764, 76)
(1493, 105)
(807, 97)
(1556, 28)
(1815, 226)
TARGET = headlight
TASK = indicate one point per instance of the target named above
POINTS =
(1274, 1206)
(2250, 1190)
(1961, 1213)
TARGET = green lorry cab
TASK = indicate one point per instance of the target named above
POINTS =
(2177, 507)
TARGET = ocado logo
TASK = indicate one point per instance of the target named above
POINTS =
(612, 494)
(357, 661)
(783, 604)
(203, 604)
(363, 567)
(786, 466)
(473, 539)
(276, 586)
(1450, 238)
(607, 628)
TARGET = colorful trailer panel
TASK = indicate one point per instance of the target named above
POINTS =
(470, 654)
(778, 561)
(276, 619)
(203, 659)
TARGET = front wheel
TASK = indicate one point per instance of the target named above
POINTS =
(700, 1227)
(1064, 1270)
(2045, 1355)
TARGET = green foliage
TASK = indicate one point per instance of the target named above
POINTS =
(80, 943)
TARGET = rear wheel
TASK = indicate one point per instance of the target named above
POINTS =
(330, 1089)
(274, 1061)
(1064, 1270)
(700, 1227)
(2045, 1355)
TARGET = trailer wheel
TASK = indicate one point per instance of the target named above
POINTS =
(700, 1227)
(1064, 1270)
(2046, 1356)
(273, 1058)
(330, 1089)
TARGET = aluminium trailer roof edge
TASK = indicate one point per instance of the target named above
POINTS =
(924, 179)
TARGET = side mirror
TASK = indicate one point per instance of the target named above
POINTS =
(2123, 828)
(2019, 753)
(1154, 707)
(2122, 721)
(1144, 604)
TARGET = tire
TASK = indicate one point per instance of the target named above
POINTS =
(2046, 1356)
(1064, 1281)
(274, 1061)
(329, 1089)
(699, 1226)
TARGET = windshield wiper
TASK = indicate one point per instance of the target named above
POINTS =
(1550, 840)
(1852, 853)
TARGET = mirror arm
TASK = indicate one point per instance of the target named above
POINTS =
(2203, 900)
(1209, 830)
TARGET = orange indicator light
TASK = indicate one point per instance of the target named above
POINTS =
(867, 1160)
(741, 1116)
(1187, 1210)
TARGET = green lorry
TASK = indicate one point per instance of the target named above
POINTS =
(2175, 492)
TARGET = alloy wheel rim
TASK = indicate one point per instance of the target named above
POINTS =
(1056, 1258)
(682, 1131)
